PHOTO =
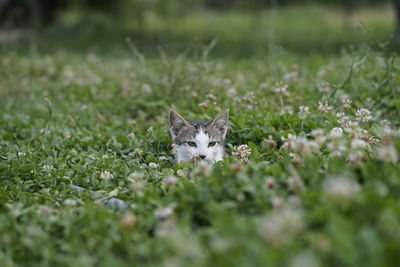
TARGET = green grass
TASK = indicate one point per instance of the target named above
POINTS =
(72, 117)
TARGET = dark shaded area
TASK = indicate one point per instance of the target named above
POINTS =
(114, 27)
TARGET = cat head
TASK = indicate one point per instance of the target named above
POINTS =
(199, 139)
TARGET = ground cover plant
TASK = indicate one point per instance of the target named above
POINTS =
(311, 177)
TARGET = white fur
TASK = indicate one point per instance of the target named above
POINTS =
(188, 153)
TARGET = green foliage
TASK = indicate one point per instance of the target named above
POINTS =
(99, 120)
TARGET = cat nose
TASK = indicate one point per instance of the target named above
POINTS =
(202, 156)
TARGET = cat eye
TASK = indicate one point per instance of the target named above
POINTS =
(192, 144)
(213, 143)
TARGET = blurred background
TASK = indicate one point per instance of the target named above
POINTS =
(238, 28)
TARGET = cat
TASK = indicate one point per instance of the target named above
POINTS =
(202, 140)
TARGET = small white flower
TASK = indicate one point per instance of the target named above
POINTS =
(319, 136)
(203, 168)
(363, 115)
(131, 135)
(324, 107)
(146, 89)
(387, 153)
(242, 152)
(137, 152)
(162, 158)
(67, 135)
(340, 187)
(203, 105)
(324, 88)
(70, 202)
(21, 154)
(346, 102)
(358, 144)
(286, 110)
(106, 175)
(289, 142)
(343, 119)
(211, 97)
(232, 93)
(280, 226)
(336, 147)
(304, 111)
(163, 212)
(48, 168)
(306, 148)
(281, 90)
(170, 180)
(153, 165)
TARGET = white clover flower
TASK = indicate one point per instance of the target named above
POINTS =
(291, 76)
(358, 144)
(281, 90)
(337, 148)
(146, 89)
(232, 93)
(131, 135)
(227, 81)
(340, 187)
(106, 175)
(211, 97)
(346, 101)
(170, 180)
(319, 136)
(269, 182)
(336, 133)
(136, 176)
(281, 226)
(363, 115)
(305, 147)
(286, 110)
(70, 202)
(47, 168)
(304, 259)
(242, 152)
(324, 107)
(343, 119)
(153, 165)
(162, 158)
(324, 88)
(304, 111)
(289, 142)
(137, 181)
(271, 143)
(249, 97)
(67, 135)
(137, 152)
(295, 158)
(356, 152)
(203, 168)
(203, 105)
(164, 212)
(128, 219)
(387, 153)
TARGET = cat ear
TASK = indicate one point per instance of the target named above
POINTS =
(176, 123)
(220, 123)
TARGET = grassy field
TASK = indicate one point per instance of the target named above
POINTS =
(312, 176)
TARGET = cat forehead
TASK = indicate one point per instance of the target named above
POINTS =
(199, 125)
(202, 137)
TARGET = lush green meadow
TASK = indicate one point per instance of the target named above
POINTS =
(312, 175)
